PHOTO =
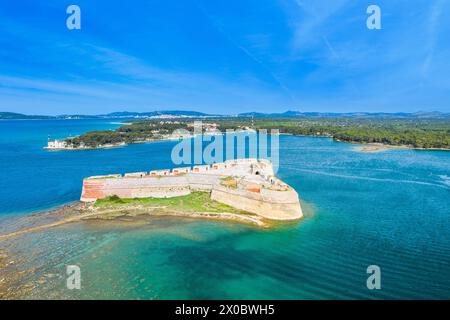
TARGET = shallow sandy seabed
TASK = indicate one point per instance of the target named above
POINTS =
(17, 281)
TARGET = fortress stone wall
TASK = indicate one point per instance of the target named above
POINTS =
(280, 205)
(254, 189)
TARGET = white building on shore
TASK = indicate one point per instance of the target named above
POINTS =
(56, 144)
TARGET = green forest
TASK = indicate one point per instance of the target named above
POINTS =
(415, 133)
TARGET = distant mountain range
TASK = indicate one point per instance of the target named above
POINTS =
(113, 115)
(195, 114)
(293, 114)
(175, 113)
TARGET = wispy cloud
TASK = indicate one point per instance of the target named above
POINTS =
(308, 54)
(134, 83)
(433, 30)
(221, 30)
(309, 19)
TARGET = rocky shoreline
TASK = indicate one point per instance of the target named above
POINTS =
(108, 146)
(136, 210)
(79, 212)
(379, 147)
(373, 148)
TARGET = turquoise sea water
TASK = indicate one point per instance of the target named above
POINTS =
(390, 209)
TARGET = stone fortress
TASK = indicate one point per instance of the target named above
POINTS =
(245, 184)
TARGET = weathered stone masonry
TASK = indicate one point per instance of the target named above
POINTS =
(254, 187)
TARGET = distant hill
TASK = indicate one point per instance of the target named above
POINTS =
(113, 115)
(286, 114)
(196, 114)
(293, 114)
(20, 116)
(175, 113)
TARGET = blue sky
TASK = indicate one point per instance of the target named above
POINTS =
(224, 56)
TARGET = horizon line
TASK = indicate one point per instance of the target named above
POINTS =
(228, 114)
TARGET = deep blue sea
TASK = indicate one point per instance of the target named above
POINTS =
(390, 209)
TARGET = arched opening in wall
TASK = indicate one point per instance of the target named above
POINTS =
(257, 173)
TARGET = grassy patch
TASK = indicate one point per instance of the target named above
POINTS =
(102, 177)
(229, 182)
(194, 202)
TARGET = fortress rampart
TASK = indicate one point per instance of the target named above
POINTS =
(277, 205)
(245, 184)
